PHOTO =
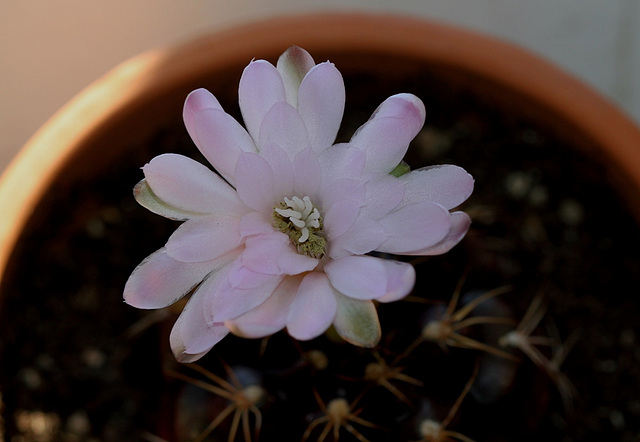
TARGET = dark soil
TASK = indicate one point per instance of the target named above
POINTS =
(79, 364)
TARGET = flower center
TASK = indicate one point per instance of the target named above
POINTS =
(299, 220)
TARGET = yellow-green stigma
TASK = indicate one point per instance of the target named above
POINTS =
(301, 222)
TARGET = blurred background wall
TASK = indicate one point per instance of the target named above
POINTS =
(51, 49)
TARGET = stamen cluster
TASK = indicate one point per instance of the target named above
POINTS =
(302, 215)
(301, 221)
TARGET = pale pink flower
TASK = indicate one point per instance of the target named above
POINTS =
(279, 237)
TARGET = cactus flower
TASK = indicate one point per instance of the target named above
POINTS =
(279, 235)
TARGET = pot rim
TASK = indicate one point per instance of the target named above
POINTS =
(136, 80)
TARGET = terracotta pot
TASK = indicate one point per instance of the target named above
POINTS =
(105, 123)
(142, 92)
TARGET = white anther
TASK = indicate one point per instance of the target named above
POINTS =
(298, 222)
(302, 215)
(308, 207)
(289, 213)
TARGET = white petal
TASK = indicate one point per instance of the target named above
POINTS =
(357, 322)
(283, 127)
(204, 239)
(321, 104)
(383, 194)
(254, 223)
(308, 173)
(272, 254)
(196, 101)
(414, 227)
(224, 301)
(344, 189)
(367, 277)
(401, 277)
(313, 308)
(364, 236)
(446, 185)
(460, 223)
(146, 198)
(293, 65)
(191, 336)
(190, 186)
(260, 88)
(339, 218)
(160, 281)
(386, 136)
(270, 316)
(341, 161)
(219, 136)
(242, 277)
(360, 277)
(255, 183)
(282, 170)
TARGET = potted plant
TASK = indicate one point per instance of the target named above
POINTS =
(548, 155)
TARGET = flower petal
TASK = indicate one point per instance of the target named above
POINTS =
(339, 218)
(160, 281)
(255, 182)
(272, 254)
(224, 301)
(446, 185)
(313, 309)
(341, 161)
(191, 336)
(270, 316)
(386, 136)
(344, 189)
(254, 223)
(282, 170)
(414, 227)
(204, 239)
(190, 186)
(283, 127)
(293, 65)
(196, 101)
(307, 172)
(321, 104)
(363, 237)
(383, 194)
(460, 223)
(357, 322)
(260, 88)
(242, 277)
(367, 277)
(360, 277)
(221, 139)
(146, 198)
(401, 277)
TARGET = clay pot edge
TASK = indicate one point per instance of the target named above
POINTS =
(133, 82)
